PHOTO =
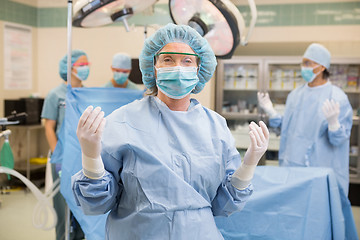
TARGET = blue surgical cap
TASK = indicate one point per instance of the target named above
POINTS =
(122, 61)
(177, 33)
(75, 55)
(319, 54)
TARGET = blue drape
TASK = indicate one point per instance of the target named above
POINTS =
(68, 152)
(292, 203)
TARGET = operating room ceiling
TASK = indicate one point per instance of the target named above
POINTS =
(63, 3)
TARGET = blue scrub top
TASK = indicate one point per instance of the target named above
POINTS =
(54, 106)
(167, 173)
(305, 138)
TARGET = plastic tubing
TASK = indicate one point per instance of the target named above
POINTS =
(43, 208)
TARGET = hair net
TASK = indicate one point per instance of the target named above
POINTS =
(177, 33)
(122, 61)
(75, 55)
(319, 54)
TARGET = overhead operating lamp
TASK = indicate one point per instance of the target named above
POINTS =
(96, 13)
(219, 21)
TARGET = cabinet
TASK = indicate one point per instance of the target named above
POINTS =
(239, 79)
(28, 141)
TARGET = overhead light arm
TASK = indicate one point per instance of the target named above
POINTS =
(245, 39)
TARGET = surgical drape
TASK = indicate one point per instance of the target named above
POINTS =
(68, 151)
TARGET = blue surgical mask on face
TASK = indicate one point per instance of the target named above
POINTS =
(120, 77)
(82, 72)
(308, 74)
(176, 82)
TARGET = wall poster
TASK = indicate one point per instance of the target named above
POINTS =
(17, 57)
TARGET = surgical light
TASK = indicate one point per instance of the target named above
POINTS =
(96, 13)
(220, 22)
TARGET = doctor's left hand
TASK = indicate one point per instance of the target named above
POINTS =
(259, 141)
(331, 110)
(89, 131)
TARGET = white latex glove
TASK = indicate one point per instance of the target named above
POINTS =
(259, 137)
(89, 131)
(266, 104)
(331, 110)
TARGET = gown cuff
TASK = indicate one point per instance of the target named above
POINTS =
(242, 176)
(93, 167)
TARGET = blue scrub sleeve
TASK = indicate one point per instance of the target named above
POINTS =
(341, 135)
(276, 121)
(94, 196)
(229, 199)
(50, 108)
(98, 196)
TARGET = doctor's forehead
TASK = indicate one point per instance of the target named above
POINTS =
(177, 47)
(82, 59)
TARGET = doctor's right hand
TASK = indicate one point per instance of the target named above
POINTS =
(266, 104)
(89, 132)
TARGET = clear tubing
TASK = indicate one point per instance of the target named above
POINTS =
(44, 207)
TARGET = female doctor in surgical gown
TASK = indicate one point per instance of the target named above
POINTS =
(167, 164)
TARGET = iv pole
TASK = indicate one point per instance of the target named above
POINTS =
(69, 37)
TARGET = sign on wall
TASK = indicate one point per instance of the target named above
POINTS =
(17, 57)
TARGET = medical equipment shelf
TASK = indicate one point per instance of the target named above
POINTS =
(355, 120)
(239, 79)
(234, 116)
(352, 91)
(239, 89)
(28, 141)
(242, 140)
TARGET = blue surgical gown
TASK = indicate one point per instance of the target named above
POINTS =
(167, 173)
(305, 138)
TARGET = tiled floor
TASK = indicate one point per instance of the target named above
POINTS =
(16, 214)
(16, 217)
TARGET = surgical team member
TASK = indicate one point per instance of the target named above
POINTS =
(316, 126)
(53, 113)
(121, 68)
(168, 164)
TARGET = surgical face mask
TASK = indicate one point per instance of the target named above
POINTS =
(82, 72)
(120, 77)
(176, 82)
(308, 74)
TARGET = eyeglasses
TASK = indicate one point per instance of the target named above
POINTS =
(308, 63)
(81, 64)
(170, 59)
(121, 70)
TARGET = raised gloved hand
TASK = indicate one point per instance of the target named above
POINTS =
(331, 110)
(266, 104)
(259, 141)
(89, 131)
